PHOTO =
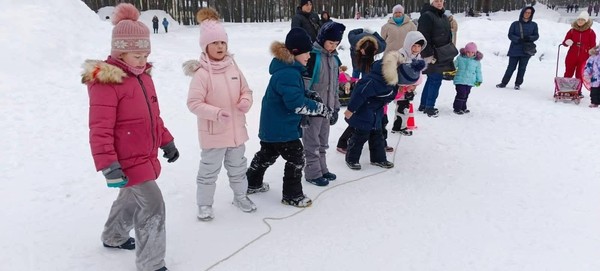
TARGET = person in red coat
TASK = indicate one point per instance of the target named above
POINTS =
(580, 39)
(126, 131)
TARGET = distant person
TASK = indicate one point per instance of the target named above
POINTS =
(306, 19)
(325, 18)
(589, 9)
(522, 33)
(155, 24)
(591, 76)
(126, 131)
(165, 24)
(580, 39)
(396, 28)
(596, 8)
(468, 74)
(453, 25)
(220, 98)
(471, 13)
(439, 53)
(283, 105)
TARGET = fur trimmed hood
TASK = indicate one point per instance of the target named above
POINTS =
(279, 51)
(366, 38)
(584, 27)
(478, 55)
(102, 72)
(389, 67)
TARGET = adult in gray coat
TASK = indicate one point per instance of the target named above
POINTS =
(306, 19)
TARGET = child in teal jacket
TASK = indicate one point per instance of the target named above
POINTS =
(468, 74)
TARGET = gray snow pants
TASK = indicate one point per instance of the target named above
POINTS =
(210, 165)
(315, 138)
(141, 207)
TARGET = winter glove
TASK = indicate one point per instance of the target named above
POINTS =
(313, 95)
(170, 152)
(409, 96)
(244, 105)
(114, 175)
(569, 42)
(223, 116)
(334, 117)
(305, 122)
(327, 112)
(477, 84)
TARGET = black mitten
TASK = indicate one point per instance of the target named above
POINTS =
(334, 117)
(313, 95)
(170, 152)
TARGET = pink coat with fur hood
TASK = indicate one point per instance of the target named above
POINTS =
(125, 123)
(217, 86)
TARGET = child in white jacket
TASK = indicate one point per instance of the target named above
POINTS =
(219, 95)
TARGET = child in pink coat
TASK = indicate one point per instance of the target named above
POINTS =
(220, 97)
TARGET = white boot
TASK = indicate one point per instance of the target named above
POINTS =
(205, 213)
(244, 203)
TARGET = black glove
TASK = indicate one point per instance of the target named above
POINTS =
(334, 117)
(170, 152)
(409, 96)
(526, 39)
(114, 175)
(313, 95)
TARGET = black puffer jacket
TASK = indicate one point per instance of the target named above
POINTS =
(309, 21)
(435, 27)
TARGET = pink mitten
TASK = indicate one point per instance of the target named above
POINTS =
(223, 116)
(244, 105)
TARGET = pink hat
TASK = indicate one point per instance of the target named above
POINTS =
(211, 29)
(471, 47)
(129, 34)
(398, 8)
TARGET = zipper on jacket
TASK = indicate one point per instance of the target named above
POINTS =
(149, 111)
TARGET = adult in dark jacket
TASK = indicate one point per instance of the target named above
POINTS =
(520, 32)
(155, 24)
(435, 27)
(306, 19)
(325, 18)
(355, 38)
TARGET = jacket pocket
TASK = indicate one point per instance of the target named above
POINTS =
(132, 138)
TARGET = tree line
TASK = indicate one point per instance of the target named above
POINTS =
(282, 10)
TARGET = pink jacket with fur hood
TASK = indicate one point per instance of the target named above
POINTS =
(216, 86)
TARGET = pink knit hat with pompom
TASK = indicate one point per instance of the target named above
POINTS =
(129, 34)
(211, 29)
(471, 47)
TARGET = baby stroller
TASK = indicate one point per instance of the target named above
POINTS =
(566, 89)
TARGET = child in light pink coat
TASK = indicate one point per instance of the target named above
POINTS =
(220, 97)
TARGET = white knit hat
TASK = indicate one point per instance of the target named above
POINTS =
(584, 15)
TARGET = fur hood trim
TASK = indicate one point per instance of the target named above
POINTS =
(478, 55)
(102, 72)
(190, 67)
(280, 52)
(389, 67)
(366, 38)
(582, 28)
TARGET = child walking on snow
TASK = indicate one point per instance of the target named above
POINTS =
(283, 106)
(126, 131)
(591, 76)
(468, 74)
(220, 97)
(413, 45)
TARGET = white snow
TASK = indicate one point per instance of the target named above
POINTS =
(512, 186)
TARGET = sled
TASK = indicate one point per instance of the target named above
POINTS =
(566, 89)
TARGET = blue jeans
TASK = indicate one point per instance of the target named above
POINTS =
(356, 74)
(513, 61)
(431, 90)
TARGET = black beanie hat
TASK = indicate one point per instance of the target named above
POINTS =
(332, 31)
(409, 73)
(298, 41)
(304, 2)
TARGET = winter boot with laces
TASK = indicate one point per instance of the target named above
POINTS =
(384, 164)
(205, 213)
(432, 112)
(330, 176)
(353, 165)
(128, 245)
(300, 201)
(319, 181)
(405, 132)
(244, 203)
(253, 190)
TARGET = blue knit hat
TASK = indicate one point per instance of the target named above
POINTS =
(332, 31)
(409, 73)
(298, 41)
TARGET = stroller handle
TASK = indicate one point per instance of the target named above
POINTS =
(557, 58)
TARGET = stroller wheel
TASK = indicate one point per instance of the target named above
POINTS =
(577, 101)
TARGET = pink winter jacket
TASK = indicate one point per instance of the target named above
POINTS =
(216, 86)
(124, 120)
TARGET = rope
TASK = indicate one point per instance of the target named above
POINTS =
(266, 219)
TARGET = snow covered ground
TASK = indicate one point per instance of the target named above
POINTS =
(512, 186)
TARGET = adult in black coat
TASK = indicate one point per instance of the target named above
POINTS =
(306, 19)
(435, 27)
